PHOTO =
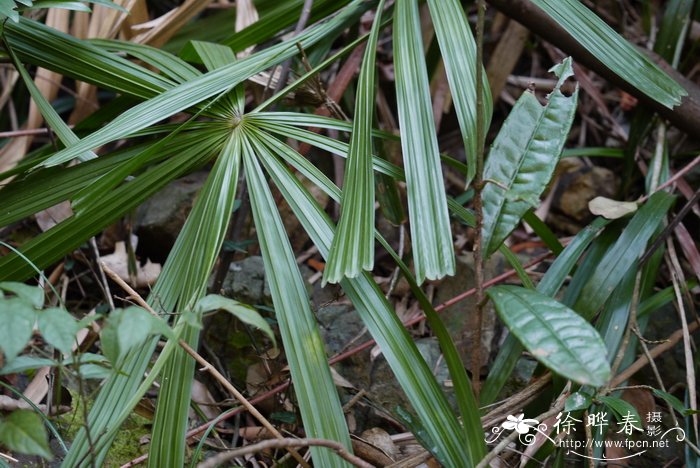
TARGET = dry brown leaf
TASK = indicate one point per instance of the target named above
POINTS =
(118, 262)
(204, 398)
(48, 218)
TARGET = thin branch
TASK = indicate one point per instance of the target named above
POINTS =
(206, 366)
(478, 207)
(284, 443)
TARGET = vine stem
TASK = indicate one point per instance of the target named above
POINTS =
(478, 207)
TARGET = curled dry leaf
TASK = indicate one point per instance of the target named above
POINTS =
(611, 209)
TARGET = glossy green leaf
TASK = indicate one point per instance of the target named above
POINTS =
(405, 360)
(17, 317)
(241, 311)
(554, 334)
(24, 432)
(622, 409)
(40, 45)
(613, 50)
(431, 235)
(523, 158)
(459, 55)
(624, 253)
(318, 399)
(674, 27)
(53, 244)
(353, 244)
(58, 328)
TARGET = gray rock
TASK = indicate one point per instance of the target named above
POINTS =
(245, 282)
(159, 220)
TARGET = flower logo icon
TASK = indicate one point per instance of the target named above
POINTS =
(519, 424)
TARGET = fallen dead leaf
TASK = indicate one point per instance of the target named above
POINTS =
(118, 262)
(611, 209)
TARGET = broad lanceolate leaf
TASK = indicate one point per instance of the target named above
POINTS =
(555, 335)
(353, 244)
(622, 255)
(433, 254)
(318, 399)
(613, 50)
(523, 158)
(459, 54)
(24, 432)
(405, 360)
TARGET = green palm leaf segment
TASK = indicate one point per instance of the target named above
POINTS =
(523, 158)
(613, 50)
(191, 93)
(556, 336)
(353, 246)
(440, 424)
(433, 253)
(63, 131)
(459, 54)
(188, 267)
(318, 400)
(180, 284)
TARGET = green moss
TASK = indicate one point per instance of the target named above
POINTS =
(127, 444)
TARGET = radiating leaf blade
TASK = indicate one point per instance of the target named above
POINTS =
(433, 253)
(555, 335)
(318, 399)
(613, 50)
(459, 54)
(353, 245)
(404, 358)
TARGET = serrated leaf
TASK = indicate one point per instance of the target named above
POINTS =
(431, 235)
(353, 244)
(523, 158)
(17, 317)
(58, 328)
(24, 432)
(32, 294)
(241, 311)
(554, 334)
(614, 51)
